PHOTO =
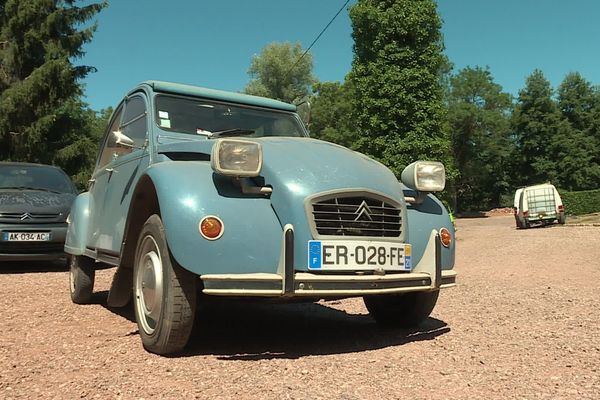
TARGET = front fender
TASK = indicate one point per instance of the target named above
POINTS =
(187, 191)
(424, 218)
(79, 218)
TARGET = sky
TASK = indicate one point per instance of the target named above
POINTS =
(211, 43)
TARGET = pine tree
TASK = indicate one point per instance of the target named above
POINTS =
(40, 110)
(536, 125)
(577, 144)
(397, 102)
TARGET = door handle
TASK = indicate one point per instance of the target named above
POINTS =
(92, 181)
(109, 169)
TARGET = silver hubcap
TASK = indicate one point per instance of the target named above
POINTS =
(149, 285)
(72, 274)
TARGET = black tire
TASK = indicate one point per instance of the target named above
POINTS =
(81, 279)
(164, 293)
(406, 310)
(562, 219)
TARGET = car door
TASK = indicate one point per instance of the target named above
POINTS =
(124, 171)
(100, 178)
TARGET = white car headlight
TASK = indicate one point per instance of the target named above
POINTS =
(241, 158)
(425, 176)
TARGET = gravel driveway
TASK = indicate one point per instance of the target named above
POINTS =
(523, 323)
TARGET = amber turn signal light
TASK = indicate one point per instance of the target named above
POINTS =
(211, 227)
(445, 237)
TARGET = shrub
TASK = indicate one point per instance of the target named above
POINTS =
(583, 202)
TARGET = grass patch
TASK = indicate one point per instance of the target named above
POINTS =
(593, 218)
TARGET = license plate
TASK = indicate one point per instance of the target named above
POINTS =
(26, 236)
(358, 255)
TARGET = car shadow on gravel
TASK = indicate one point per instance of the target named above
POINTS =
(242, 331)
(28, 267)
(250, 330)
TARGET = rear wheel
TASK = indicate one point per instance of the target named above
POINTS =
(164, 293)
(405, 310)
(81, 279)
(562, 219)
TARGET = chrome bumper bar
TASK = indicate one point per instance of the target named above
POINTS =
(426, 275)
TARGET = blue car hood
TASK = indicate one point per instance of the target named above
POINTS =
(301, 167)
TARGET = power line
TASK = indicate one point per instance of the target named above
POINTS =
(317, 38)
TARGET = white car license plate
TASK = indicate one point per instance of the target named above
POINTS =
(358, 255)
(27, 236)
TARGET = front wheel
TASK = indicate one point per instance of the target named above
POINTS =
(164, 293)
(405, 310)
(81, 278)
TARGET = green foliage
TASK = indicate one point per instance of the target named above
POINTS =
(331, 114)
(558, 140)
(536, 123)
(577, 144)
(397, 103)
(478, 113)
(42, 118)
(582, 202)
(277, 73)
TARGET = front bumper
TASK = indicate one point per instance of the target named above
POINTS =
(32, 251)
(427, 275)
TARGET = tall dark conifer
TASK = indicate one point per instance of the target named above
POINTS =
(536, 123)
(40, 87)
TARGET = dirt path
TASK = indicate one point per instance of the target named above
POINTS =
(523, 323)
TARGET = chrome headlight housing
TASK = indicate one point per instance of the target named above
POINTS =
(425, 176)
(240, 158)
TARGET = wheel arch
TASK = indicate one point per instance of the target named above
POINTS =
(144, 203)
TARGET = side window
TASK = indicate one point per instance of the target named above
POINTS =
(135, 120)
(109, 145)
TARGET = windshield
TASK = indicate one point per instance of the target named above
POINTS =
(34, 178)
(204, 117)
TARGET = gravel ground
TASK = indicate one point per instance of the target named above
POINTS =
(522, 324)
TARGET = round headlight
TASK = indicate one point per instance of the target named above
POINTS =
(211, 227)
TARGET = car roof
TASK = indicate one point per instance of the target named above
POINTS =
(26, 164)
(219, 95)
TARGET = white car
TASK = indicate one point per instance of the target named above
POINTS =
(539, 204)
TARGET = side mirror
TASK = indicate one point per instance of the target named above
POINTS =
(123, 140)
(303, 108)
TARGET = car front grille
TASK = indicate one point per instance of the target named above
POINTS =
(30, 248)
(357, 216)
(30, 218)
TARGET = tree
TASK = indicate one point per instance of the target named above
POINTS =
(280, 72)
(480, 132)
(577, 144)
(84, 130)
(576, 100)
(536, 123)
(39, 85)
(330, 116)
(397, 103)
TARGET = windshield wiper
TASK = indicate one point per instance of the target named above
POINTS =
(30, 188)
(231, 132)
